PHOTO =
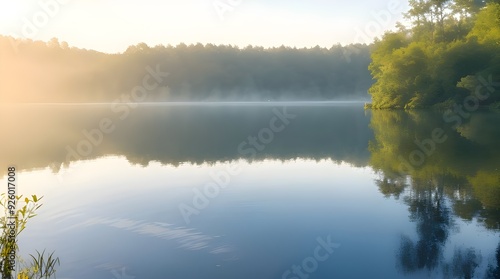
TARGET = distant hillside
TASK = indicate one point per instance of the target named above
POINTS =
(34, 71)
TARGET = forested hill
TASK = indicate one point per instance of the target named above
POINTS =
(34, 71)
(449, 57)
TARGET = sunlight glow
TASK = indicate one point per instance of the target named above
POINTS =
(10, 10)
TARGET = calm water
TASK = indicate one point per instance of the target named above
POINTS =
(260, 191)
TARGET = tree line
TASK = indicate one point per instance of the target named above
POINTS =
(36, 71)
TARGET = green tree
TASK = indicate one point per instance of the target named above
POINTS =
(486, 28)
(451, 48)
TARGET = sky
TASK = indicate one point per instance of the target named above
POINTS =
(113, 25)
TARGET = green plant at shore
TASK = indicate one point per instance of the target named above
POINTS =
(41, 266)
(13, 222)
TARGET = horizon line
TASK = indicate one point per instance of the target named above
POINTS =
(189, 103)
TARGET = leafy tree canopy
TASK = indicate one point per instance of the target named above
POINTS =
(446, 54)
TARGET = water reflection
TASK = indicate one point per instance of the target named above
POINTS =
(458, 177)
(50, 135)
(494, 272)
(443, 184)
(428, 210)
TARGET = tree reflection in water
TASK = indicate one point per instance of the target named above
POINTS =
(458, 178)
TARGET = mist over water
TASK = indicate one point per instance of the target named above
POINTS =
(209, 73)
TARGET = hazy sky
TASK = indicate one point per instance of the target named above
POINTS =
(112, 25)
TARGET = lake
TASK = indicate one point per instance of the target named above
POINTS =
(261, 190)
